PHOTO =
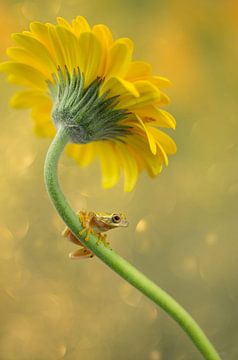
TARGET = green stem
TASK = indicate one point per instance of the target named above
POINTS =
(114, 261)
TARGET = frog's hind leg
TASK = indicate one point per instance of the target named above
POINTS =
(82, 253)
(71, 237)
(85, 218)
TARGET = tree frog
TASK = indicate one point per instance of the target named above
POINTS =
(94, 223)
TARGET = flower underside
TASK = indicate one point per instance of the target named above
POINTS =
(81, 77)
(87, 115)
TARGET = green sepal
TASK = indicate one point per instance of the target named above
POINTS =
(87, 115)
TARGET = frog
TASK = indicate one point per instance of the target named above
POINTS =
(96, 223)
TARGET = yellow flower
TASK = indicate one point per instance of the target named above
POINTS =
(121, 98)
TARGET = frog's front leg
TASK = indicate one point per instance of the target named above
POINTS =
(71, 237)
(87, 232)
(86, 221)
(85, 218)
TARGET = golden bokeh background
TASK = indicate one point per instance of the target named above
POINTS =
(183, 225)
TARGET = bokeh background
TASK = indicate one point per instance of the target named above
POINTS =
(183, 225)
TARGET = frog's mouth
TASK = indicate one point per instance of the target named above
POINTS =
(124, 223)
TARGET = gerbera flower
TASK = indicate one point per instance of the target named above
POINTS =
(81, 78)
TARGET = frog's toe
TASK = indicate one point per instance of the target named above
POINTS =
(81, 253)
(65, 232)
(90, 232)
(102, 238)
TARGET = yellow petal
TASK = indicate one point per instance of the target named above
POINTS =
(162, 158)
(23, 74)
(41, 33)
(104, 36)
(138, 69)
(164, 99)
(165, 140)
(83, 154)
(109, 163)
(152, 163)
(44, 130)
(159, 117)
(118, 86)
(70, 47)
(43, 125)
(129, 164)
(168, 117)
(120, 58)
(36, 48)
(149, 94)
(163, 154)
(61, 21)
(57, 47)
(29, 99)
(80, 25)
(30, 57)
(41, 114)
(160, 81)
(149, 135)
(90, 56)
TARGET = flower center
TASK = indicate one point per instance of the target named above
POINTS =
(87, 115)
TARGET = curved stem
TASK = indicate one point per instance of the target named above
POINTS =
(113, 260)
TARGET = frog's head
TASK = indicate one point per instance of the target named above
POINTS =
(119, 219)
(112, 221)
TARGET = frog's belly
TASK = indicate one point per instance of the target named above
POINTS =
(98, 229)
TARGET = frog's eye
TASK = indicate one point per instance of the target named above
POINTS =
(116, 218)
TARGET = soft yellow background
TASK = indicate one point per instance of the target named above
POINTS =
(183, 225)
